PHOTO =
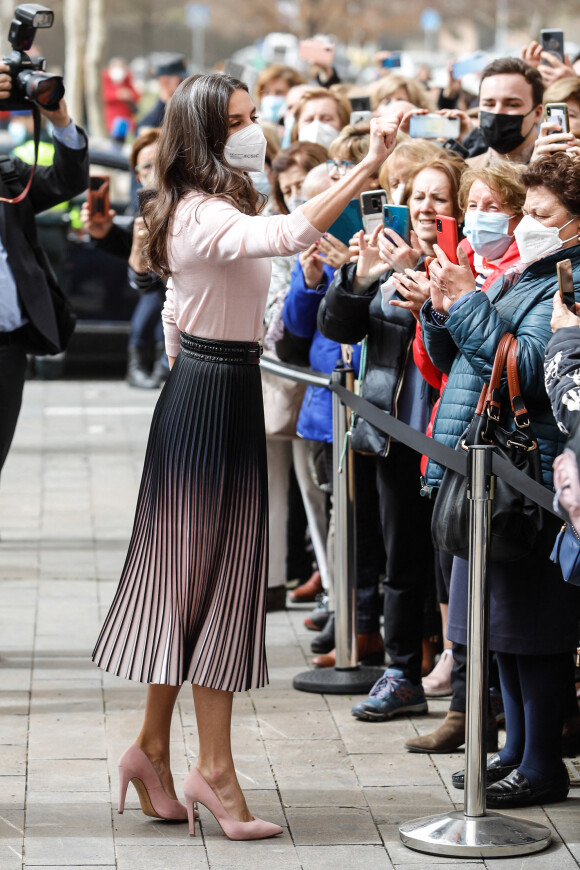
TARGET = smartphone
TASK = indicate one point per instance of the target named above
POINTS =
(558, 112)
(473, 64)
(361, 110)
(392, 61)
(566, 282)
(427, 262)
(396, 217)
(447, 236)
(98, 197)
(553, 41)
(246, 74)
(316, 51)
(372, 202)
(432, 126)
(360, 104)
(359, 116)
(348, 223)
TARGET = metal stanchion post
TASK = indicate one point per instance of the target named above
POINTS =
(473, 832)
(347, 677)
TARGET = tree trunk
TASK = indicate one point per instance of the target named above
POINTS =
(75, 30)
(97, 29)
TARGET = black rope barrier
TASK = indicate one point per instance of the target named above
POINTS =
(389, 425)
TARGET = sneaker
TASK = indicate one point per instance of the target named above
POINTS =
(319, 616)
(391, 694)
(496, 705)
(437, 684)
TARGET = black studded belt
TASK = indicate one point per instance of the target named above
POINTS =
(211, 350)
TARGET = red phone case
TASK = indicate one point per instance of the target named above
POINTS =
(447, 236)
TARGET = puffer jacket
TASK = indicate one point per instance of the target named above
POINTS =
(299, 314)
(347, 317)
(520, 303)
(562, 376)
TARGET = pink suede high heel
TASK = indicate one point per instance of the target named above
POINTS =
(197, 789)
(135, 767)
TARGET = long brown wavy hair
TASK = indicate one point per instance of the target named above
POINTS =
(190, 157)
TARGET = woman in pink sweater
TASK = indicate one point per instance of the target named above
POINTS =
(190, 605)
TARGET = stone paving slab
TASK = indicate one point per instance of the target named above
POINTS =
(338, 787)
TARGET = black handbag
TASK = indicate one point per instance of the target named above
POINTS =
(515, 518)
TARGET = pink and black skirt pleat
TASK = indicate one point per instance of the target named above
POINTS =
(191, 602)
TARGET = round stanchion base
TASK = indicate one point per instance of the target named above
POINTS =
(491, 836)
(338, 681)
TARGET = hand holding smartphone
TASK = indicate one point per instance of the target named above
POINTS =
(396, 217)
(553, 42)
(447, 236)
(316, 51)
(558, 113)
(98, 197)
(566, 283)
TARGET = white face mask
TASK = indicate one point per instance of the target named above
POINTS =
(318, 132)
(397, 191)
(294, 202)
(246, 149)
(535, 240)
(116, 74)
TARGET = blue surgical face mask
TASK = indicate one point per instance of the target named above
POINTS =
(487, 233)
(272, 108)
(261, 182)
(288, 127)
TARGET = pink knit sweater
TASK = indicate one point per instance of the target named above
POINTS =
(219, 259)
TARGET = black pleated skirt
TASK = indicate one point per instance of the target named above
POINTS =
(191, 602)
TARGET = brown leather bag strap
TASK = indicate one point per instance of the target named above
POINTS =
(517, 402)
(493, 397)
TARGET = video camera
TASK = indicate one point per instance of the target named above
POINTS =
(30, 84)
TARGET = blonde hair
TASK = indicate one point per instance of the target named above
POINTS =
(353, 142)
(277, 71)
(384, 88)
(412, 150)
(503, 178)
(342, 105)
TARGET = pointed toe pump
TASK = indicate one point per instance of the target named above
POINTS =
(198, 790)
(135, 767)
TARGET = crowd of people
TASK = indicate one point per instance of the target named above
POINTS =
(240, 246)
(421, 328)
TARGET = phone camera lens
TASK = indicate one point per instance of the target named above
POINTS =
(439, 227)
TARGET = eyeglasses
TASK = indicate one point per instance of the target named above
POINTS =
(339, 165)
(144, 167)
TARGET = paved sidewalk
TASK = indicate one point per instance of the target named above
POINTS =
(338, 787)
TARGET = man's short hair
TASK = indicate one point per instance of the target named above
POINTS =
(516, 66)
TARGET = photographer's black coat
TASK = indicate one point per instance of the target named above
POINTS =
(66, 178)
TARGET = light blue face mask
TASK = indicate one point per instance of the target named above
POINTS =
(261, 182)
(288, 127)
(272, 108)
(487, 232)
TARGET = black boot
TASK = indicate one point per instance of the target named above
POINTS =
(324, 643)
(160, 371)
(137, 374)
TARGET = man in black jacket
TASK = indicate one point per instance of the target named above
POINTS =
(27, 318)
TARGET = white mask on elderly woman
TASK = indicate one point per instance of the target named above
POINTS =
(319, 133)
(535, 240)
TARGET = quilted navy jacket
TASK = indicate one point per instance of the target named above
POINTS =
(465, 348)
